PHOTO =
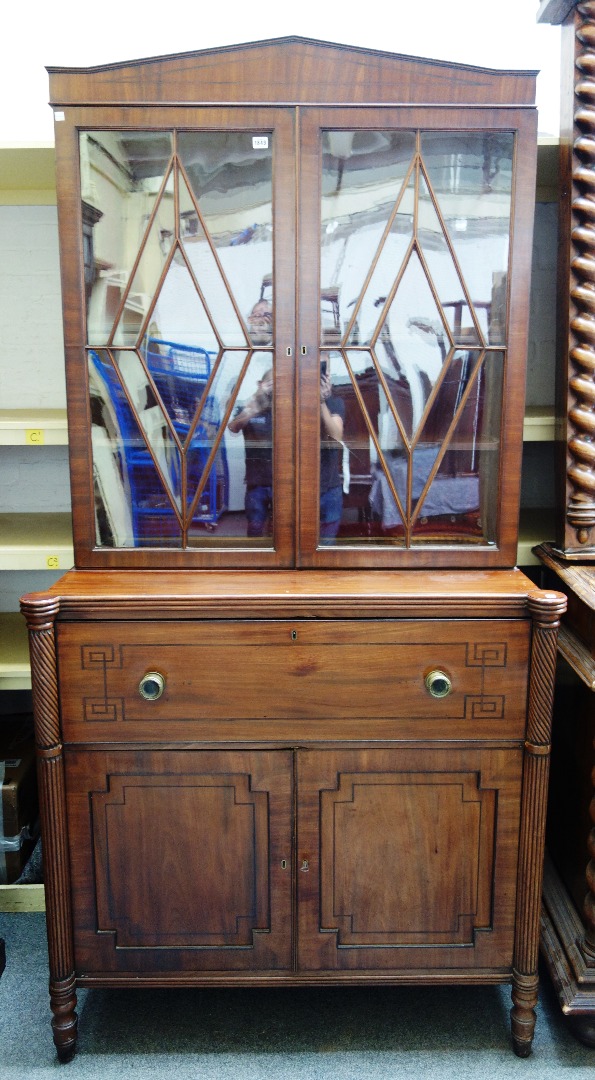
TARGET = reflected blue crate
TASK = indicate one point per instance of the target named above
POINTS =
(180, 374)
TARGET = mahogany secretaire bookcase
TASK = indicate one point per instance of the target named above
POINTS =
(293, 704)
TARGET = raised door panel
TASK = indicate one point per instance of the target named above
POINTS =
(407, 859)
(181, 860)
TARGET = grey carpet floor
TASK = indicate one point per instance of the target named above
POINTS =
(255, 1034)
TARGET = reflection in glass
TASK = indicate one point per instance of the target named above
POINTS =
(252, 416)
(122, 174)
(134, 472)
(412, 342)
(440, 486)
(443, 272)
(178, 313)
(364, 191)
(461, 500)
(178, 249)
(415, 246)
(231, 180)
(470, 174)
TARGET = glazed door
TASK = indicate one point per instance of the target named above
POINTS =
(415, 228)
(407, 859)
(186, 233)
(181, 860)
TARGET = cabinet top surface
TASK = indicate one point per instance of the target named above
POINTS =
(291, 69)
(290, 594)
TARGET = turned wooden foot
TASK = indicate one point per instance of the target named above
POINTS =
(522, 1015)
(65, 1020)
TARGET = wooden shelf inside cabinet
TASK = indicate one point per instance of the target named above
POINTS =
(15, 671)
(36, 542)
(33, 427)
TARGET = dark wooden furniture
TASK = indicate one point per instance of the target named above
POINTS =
(568, 936)
(568, 918)
(288, 748)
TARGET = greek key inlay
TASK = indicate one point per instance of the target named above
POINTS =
(485, 707)
(99, 658)
(103, 709)
(486, 654)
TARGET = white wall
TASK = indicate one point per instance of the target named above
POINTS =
(31, 341)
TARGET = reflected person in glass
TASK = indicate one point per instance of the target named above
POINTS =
(255, 421)
(332, 419)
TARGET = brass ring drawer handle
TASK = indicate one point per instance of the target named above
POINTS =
(438, 684)
(151, 686)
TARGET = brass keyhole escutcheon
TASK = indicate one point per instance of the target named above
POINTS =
(151, 686)
(438, 684)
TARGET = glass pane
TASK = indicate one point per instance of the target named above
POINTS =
(121, 176)
(412, 343)
(178, 316)
(365, 192)
(470, 174)
(415, 228)
(378, 486)
(180, 286)
(459, 505)
(444, 274)
(248, 446)
(134, 505)
(158, 434)
(226, 221)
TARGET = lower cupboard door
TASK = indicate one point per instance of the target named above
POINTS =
(181, 860)
(407, 859)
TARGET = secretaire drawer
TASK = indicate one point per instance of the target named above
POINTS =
(281, 680)
(462, 675)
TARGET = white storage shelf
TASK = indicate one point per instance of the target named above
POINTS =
(44, 427)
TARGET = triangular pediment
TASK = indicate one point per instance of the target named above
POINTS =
(288, 70)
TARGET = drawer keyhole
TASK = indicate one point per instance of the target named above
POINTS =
(151, 686)
(438, 684)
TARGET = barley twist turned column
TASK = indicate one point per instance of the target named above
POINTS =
(580, 510)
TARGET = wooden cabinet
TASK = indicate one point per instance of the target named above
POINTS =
(294, 730)
(568, 916)
(321, 783)
(370, 897)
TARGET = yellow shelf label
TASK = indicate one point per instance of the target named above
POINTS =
(53, 562)
(34, 436)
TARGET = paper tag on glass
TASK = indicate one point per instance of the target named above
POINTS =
(260, 142)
